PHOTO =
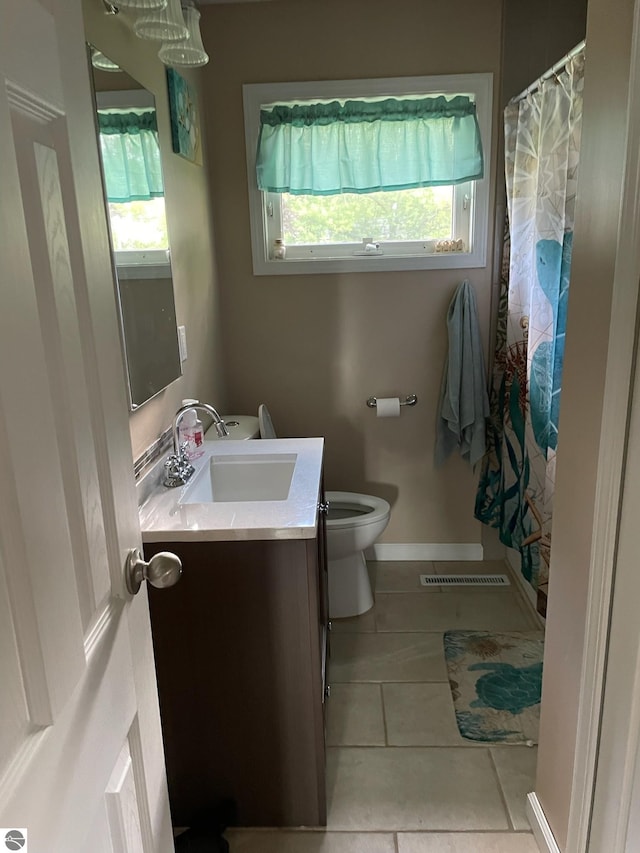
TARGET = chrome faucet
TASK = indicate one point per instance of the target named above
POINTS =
(178, 468)
(220, 425)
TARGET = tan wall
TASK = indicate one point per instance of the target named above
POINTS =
(536, 36)
(609, 28)
(190, 234)
(316, 347)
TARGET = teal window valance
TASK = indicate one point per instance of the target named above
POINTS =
(363, 146)
(130, 155)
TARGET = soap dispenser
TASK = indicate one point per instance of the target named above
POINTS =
(191, 432)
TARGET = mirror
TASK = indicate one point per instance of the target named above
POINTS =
(134, 196)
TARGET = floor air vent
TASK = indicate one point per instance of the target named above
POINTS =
(464, 580)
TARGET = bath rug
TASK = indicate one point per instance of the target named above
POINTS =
(496, 682)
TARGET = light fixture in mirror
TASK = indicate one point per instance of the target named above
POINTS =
(134, 197)
(100, 61)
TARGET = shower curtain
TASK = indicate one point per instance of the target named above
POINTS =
(515, 492)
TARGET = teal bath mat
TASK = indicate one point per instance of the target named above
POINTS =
(496, 682)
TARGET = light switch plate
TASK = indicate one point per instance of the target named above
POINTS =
(182, 342)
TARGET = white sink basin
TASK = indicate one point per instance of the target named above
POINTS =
(268, 489)
(225, 478)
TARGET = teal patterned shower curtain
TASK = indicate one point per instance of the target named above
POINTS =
(515, 492)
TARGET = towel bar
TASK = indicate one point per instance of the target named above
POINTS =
(409, 400)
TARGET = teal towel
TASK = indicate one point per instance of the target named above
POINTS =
(464, 403)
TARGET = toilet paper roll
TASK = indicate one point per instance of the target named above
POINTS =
(388, 407)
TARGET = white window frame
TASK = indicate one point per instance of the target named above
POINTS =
(391, 256)
(143, 263)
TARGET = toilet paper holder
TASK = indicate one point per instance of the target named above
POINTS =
(409, 400)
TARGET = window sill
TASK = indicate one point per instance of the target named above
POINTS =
(369, 263)
(143, 263)
(130, 271)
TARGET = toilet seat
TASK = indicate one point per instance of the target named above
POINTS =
(355, 510)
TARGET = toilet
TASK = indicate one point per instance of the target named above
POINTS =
(239, 426)
(354, 522)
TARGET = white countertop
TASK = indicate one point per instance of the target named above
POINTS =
(164, 519)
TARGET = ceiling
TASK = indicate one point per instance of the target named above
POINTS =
(211, 2)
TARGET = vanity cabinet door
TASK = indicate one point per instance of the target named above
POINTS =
(239, 665)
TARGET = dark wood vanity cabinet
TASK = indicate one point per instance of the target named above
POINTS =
(240, 646)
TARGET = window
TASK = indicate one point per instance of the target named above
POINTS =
(333, 217)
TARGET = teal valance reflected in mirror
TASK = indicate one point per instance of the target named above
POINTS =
(130, 151)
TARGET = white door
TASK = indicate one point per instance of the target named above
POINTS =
(605, 798)
(81, 762)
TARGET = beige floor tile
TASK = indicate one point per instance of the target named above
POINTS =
(412, 789)
(354, 715)
(355, 624)
(403, 576)
(470, 567)
(386, 657)
(308, 841)
(516, 766)
(421, 715)
(466, 842)
(466, 610)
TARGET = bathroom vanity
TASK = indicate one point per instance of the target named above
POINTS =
(241, 641)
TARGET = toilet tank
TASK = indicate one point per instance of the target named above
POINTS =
(239, 426)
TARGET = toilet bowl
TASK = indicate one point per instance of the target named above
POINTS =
(354, 522)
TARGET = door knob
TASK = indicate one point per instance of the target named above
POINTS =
(162, 570)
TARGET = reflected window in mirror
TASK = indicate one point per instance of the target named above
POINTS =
(131, 157)
(131, 160)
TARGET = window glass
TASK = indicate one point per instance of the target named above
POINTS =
(417, 214)
(138, 225)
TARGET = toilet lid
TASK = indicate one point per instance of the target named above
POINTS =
(266, 424)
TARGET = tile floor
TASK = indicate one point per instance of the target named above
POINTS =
(400, 778)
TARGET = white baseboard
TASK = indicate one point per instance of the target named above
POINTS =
(425, 551)
(540, 826)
